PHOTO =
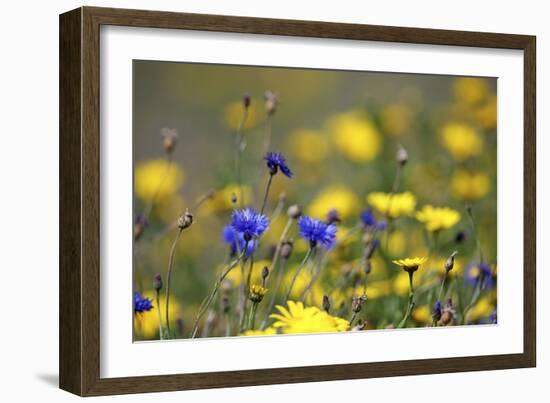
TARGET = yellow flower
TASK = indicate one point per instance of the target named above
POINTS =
(437, 218)
(300, 319)
(336, 197)
(470, 185)
(235, 277)
(157, 179)
(486, 114)
(482, 309)
(395, 119)
(422, 315)
(410, 263)
(397, 242)
(233, 113)
(355, 136)
(268, 331)
(147, 323)
(462, 141)
(221, 201)
(308, 145)
(470, 91)
(257, 292)
(392, 205)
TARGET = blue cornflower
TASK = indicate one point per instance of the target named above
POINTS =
(436, 313)
(276, 161)
(317, 232)
(476, 272)
(369, 220)
(248, 223)
(141, 304)
(231, 238)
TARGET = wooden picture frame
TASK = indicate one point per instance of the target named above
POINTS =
(80, 200)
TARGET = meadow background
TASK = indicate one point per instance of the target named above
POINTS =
(340, 132)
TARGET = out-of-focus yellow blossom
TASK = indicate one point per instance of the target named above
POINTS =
(308, 145)
(268, 331)
(147, 324)
(461, 140)
(401, 283)
(300, 319)
(470, 185)
(397, 242)
(157, 179)
(355, 136)
(315, 293)
(233, 113)
(438, 218)
(486, 114)
(470, 91)
(482, 309)
(395, 119)
(235, 276)
(422, 315)
(392, 205)
(338, 197)
(221, 201)
(169, 209)
(378, 289)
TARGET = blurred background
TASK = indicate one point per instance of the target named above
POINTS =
(339, 131)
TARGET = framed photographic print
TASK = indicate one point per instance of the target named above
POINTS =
(249, 201)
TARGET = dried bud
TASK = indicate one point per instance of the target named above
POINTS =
(271, 102)
(157, 282)
(402, 156)
(265, 273)
(246, 101)
(139, 226)
(461, 236)
(233, 198)
(294, 211)
(286, 248)
(185, 220)
(450, 262)
(361, 325)
(357, 302)
(333, 217)
(326, 304)
(226, 306)
(169, 139)
(448, 314)
(257, 293)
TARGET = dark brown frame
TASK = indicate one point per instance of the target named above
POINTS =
(79, 200)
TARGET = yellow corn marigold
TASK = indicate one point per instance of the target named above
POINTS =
(461, 141)
(392, 205)
(157, 179)
(300, 319)
(438, 218)
(470, 185)
(268, 331)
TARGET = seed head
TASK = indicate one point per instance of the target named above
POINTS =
(265, 273)
(271, 102)
(257, 293)
(169, 139)
(246, 101)
(326, 304)
(450, 262)
(233, 198)
(286, 248)
(357, 302)
(367, 268)
(294, 211)
(402, 156)
(185, 220)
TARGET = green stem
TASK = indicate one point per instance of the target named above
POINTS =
(252, 316)
(161, 332)
(268, 186)
(410, 305)
(304, 261)
(169, 278)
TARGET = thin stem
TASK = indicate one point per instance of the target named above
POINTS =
(208, 300)
(268, 130)
(238, 162)
(276, 291)
(442, 287)
(169, 277)
(474, 231)
(352, 318)
(248, 277)
(279, 245)
(475, 297)
(320, 265)
(268, 186)
(304, 261)
(252, 316)
(161, 332)
(410, 305)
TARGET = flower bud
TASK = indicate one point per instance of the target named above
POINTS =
(185, 220)
(367, 268)
(361, 325)
(294, 211)
(226, 305)
(139, 226)
(257, 293)
(402, 156)
(357, 303)
(169, 139)
(233, 198)
(333, 217)
(286, 248)
(265, 273)
(271, 102)
(157, 282)
(436, 313)
(326, 304)
(246, 101)
(450, 262)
